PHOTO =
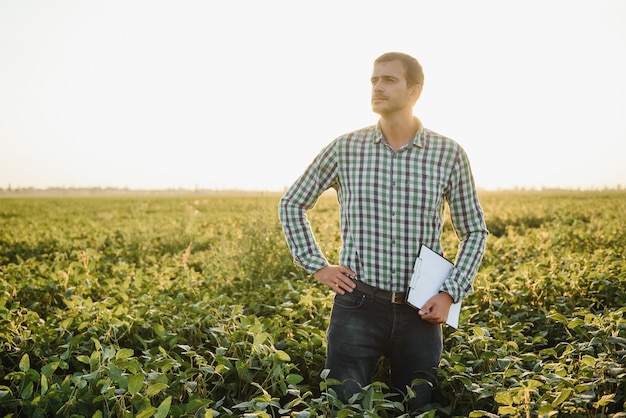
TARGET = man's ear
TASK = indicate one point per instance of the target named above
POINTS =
(416, 92)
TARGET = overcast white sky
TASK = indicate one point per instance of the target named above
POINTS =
(243, 94)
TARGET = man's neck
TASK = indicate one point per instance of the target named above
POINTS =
(399, 130)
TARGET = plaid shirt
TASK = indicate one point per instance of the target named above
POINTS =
(390, 203)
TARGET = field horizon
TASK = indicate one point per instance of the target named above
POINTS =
(124, 191)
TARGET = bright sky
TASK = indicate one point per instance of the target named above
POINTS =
(243, 94)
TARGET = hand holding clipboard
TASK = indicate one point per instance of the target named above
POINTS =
(429, 273)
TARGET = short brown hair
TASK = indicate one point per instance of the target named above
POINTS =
(412, 68)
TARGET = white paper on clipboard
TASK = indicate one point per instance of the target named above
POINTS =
(429, 273)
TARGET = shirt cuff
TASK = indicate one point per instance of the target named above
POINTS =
(452, 287)
(313, 265)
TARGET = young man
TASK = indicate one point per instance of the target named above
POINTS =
(392, 180)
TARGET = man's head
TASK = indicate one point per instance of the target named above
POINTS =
(397, 81)
(413, 70)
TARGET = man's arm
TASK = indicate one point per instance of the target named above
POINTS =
(297, 201)
(469, 224)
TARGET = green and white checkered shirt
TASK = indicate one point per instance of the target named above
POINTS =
(390, 203)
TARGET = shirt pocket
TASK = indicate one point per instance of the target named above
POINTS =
(426, 195)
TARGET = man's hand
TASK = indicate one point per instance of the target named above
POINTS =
(336, 277)
(436, 309)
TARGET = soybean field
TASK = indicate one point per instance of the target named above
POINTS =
(191, 306)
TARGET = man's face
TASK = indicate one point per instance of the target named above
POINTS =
(390, 92)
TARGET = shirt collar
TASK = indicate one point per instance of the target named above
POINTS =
(417, 139)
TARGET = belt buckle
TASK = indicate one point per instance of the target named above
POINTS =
(396, 297)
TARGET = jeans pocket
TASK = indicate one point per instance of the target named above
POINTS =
(349, 300)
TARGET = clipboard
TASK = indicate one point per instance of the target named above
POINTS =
(429, 273)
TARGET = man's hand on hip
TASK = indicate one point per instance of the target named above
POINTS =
(336, 277)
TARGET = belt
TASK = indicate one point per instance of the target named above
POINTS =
(393, 297)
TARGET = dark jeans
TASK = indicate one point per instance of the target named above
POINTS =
(363, 328)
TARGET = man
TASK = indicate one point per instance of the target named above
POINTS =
(392, 180)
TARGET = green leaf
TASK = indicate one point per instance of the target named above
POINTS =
(588, 361)
(478, 331)
(504, 398)
(155, 389)
(547, 410)
(260, 338)
(158, 329)
(345, 413)
(575, 323)
(83, 359)
(146, 412)
(49, 368)
(531, 383)
(27, 391)
(507, 410)
(282, 356)
(562, 396)
(558, 317)
(25, 363)
(294, 379)
(164, 408)
(135, 383)
(33, 375)
(44, 384)
(605, 400)
(124, 353)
